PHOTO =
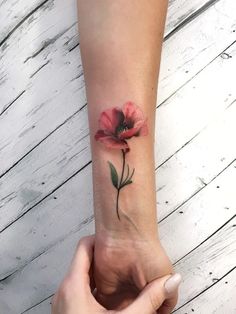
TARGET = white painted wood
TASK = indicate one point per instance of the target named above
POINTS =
(217, 300)
(52, 27)
(202, 215)
(42, 308)
(69, 209)
(179, 11)
(191, 49)
(196, 164)
(54, 226)
(12, 13)
(190, 109)
(68, 150)
(4, 308)
(200, 218)
(179, 178)
(199, 271)
(61, 259)
(49, 99)
(207, 264)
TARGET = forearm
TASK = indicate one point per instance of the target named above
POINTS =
(120, 45)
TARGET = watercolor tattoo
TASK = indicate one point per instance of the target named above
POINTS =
(117, 125)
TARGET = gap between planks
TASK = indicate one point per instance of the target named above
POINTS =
(68, 243)
(218, 127)
(212, 239)
(32, 148)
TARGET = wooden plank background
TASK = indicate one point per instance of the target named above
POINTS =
(45, 163)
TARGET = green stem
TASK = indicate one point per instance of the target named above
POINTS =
(117, 203)
(123, 168)
(120, 184)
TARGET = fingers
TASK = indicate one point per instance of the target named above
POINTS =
(74, 295)
(83, 255)
(80, 267)
(172, 295)
(155, 294)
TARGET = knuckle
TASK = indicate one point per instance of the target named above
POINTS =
(156, 300)
(82, 242)
(64, 291)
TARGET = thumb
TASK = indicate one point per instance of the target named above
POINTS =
(154, 294)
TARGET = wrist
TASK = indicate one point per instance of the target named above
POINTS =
(132, 253)
(137, 218)
(126, 236)
(124, 183)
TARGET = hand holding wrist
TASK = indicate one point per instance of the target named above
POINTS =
(123, 261)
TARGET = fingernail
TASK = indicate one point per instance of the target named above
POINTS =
(172, 284)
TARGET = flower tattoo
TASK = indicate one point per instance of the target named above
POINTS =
(117, 125)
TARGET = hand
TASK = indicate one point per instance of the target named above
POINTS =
(75, 293)
(123, 268)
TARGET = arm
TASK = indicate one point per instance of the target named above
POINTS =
(120, 46)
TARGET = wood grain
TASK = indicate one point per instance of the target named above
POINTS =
(69, 149)
(219, 299)
(187, 172)
(41, 107)
(197, 220)
(45, 170)
(201, 270)
(13, 14)
(206, 265)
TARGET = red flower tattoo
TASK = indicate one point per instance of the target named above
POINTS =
(117, 125)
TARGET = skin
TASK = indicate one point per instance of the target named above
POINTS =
(120, 44)
(76, 293)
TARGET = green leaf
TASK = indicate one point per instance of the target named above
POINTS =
(127, 174)
(114, 175)
(128, 182)
(131, 175)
